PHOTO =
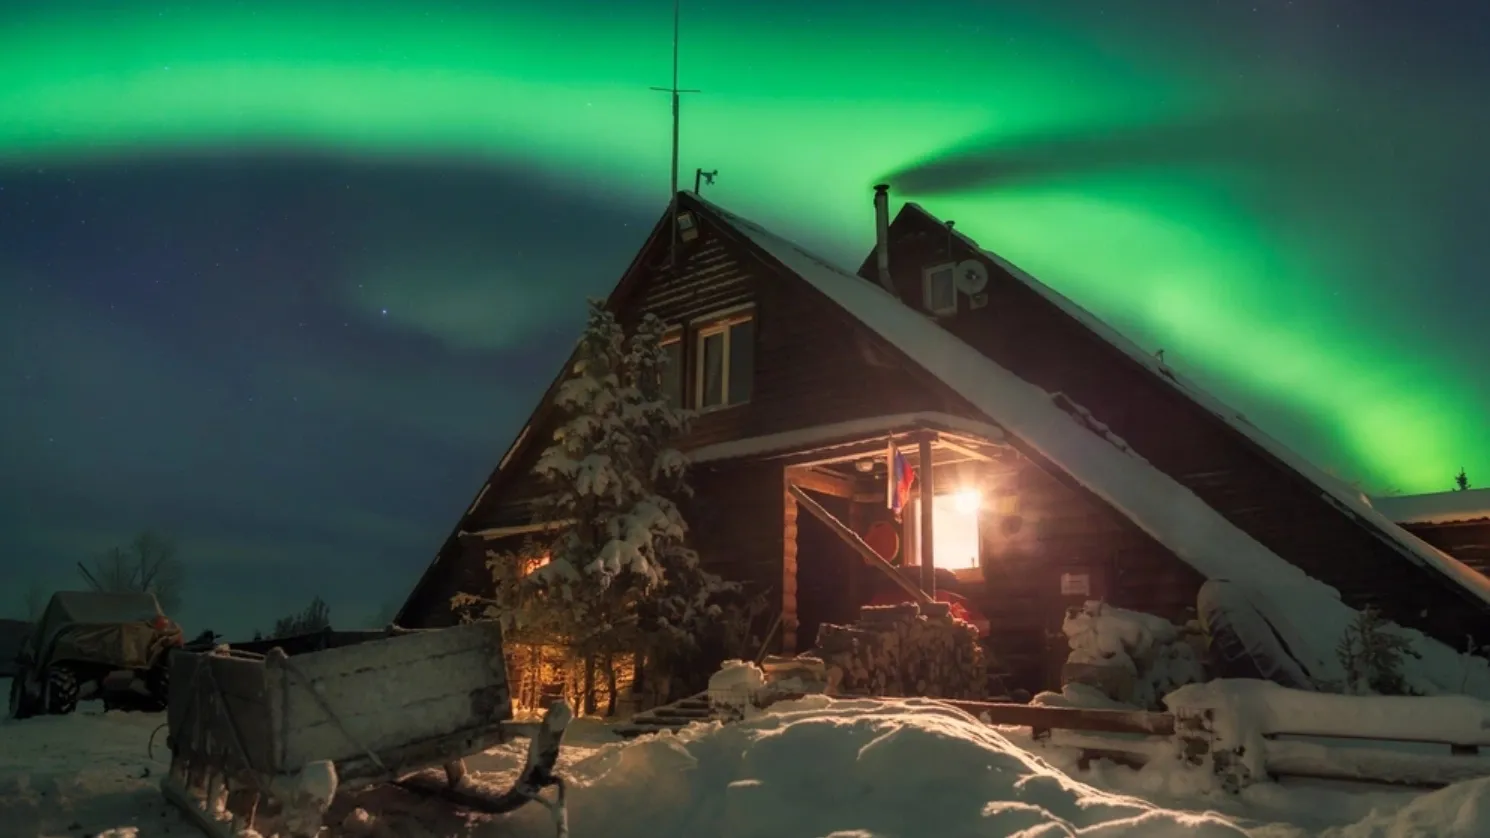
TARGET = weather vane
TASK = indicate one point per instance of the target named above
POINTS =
(672, 204)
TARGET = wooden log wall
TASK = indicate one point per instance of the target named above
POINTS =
(1033, 337)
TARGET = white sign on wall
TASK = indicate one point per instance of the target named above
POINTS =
(1076, 584)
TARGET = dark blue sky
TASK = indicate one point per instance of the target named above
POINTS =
(301, 363)
(199, 346)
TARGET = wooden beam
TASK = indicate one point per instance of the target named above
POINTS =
(819, 481)
(928, 496)
(871, 558)
(788, 612)
(965, 451)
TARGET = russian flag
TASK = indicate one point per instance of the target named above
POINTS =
(902, 476)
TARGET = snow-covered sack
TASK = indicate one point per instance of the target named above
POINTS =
(903, 650)
(1132, 657)
(735, 691)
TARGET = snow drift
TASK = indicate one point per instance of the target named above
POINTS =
(819, 767)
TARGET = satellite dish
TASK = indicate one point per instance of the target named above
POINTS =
(971, 276)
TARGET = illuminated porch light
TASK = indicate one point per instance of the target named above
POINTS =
(967, 501)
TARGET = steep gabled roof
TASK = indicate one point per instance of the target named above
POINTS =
(1437, 508)
(1309, 611)
(1349, 499)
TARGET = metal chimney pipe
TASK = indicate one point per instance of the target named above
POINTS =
(882, 236)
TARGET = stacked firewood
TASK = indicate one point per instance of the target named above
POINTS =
(903, 650)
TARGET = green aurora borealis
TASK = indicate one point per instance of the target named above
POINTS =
(1265, 268)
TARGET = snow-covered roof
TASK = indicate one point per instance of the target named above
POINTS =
(852, 429)
(1333, 488)
(1300, 606)
(1437, 508)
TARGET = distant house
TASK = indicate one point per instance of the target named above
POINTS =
(1457, 523)
(1063, 463)
(12, 634)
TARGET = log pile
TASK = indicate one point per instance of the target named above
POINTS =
(903, 650)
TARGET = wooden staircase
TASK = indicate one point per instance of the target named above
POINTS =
(675, 716)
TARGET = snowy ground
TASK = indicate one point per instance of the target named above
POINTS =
(810, 769)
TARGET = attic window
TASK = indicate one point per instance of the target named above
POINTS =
(940, 289)
(726, 360)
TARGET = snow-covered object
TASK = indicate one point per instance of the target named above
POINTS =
(1239, 716)
(1151, 650)
(1308, 611)
(736, 688)
(1437, 508)
(1267, 708)
(1243, 643)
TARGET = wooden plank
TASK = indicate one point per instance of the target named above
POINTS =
(1381, 765)
(1042, 718)
(818, 481)
(926, 477)
(788, 610)
(853, 540)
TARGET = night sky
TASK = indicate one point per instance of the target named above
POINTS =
(283, 279)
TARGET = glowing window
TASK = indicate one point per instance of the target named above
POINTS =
(954, 535)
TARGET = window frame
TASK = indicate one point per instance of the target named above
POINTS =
(926, 289)
(719, 323)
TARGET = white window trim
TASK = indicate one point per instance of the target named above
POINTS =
(926, 295)
(717, 324)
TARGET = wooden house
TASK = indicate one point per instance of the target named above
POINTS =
(1062, 463)
(1458, 523)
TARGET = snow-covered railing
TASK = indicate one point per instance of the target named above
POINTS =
(1249, 731)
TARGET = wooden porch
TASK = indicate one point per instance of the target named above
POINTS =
(844, 490)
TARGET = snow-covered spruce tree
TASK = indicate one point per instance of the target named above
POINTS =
(1372, 656)
(619, 579)
(690, 616)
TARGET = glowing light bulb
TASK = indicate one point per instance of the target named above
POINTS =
(967, 501)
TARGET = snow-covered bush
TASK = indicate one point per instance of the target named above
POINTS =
(1372, 655)
(617, 580)
(1133, 657)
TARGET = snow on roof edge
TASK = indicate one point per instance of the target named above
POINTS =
(1436, 508)
(1335, 489)
(840, 432)
(1301, 607)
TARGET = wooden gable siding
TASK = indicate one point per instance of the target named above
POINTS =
(1035, 339)
(1467, 541)
(1053, 530)
(813, 365)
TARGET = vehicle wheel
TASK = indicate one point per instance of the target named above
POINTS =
(62, 691)
(22, 705)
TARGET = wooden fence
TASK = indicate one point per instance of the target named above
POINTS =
(1411, 751)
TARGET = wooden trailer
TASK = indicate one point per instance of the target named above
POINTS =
(262, 743)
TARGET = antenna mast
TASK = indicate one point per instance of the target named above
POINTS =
(672, 203)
